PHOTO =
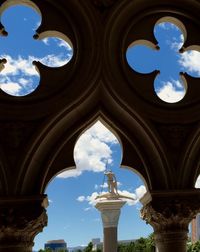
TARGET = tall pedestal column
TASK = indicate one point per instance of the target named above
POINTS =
(110, 212)
(170, 213)
(21, 219)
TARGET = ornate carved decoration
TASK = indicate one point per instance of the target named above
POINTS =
(171, 214)
(20, 221)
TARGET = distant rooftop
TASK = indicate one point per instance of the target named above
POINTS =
(56, 241)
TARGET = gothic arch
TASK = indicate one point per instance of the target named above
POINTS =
(52, 151)
(191, 161)
(160, 140)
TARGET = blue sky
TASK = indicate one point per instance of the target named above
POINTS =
(71, 211)
(72, 195)
(19, 77)
(168, 85)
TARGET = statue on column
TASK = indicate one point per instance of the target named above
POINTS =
(112, 182)
(112, 188)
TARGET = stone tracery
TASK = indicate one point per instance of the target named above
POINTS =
(98, 83)
(165, 64)
(15, 68)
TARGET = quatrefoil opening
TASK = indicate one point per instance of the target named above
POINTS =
(21, 47)
(168, 57)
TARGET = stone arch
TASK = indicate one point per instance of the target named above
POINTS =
(60, 135)
(4, 174)
(190, 160)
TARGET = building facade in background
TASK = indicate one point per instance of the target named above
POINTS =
(56, 245)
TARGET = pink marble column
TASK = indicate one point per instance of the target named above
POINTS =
(110, 212)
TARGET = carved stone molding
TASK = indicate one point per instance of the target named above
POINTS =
(171, 213)
(21, 220)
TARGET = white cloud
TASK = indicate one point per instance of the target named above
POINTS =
(170, 91)
(19, 76)
(92, 151)
(81, 198)
(87, 209)
(12, 88)
(62, 43)
(52, 60)
(139, 192)
(24, 65)
(92, 198)
(45, 41)
(70, 174)
(23, 81)
(17, 86)
(19, 65)
(167, 26)
(177, 43)
(190, 60)
(197, 184)
(105, 185)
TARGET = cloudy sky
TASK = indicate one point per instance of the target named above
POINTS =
(71, 211)
(168, 85)
(19, 76)
(72, 194)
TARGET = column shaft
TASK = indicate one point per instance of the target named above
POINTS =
(171, 241)
(110, 212)
(110, 239)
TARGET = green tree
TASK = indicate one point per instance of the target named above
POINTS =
(45, 250)
(140, 244)
(89, 247)
(196, 247)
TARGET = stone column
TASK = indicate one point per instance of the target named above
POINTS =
(170, 213)
(21, 219)
(110, 212)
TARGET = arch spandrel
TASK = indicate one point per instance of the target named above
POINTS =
(190, 165)
(52, 151)
(5, 184)
(130, 114)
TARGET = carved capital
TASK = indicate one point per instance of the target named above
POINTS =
(110, 211)
(21, 219)
(171, 213)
